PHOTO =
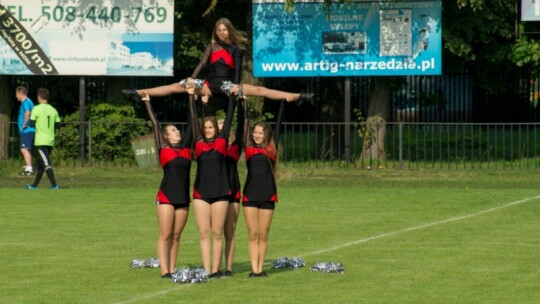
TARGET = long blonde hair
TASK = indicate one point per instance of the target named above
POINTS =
(237, 38)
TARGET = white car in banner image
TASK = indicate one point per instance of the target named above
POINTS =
(338, 47)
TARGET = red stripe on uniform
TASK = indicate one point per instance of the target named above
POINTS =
(250, 151)
(196, 194)
(220, 145)
(222, 54)
(167, 154)
(161, 197)
(234, 152)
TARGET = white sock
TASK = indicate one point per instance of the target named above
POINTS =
(28, 168)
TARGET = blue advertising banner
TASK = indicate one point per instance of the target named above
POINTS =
(86, 37)
(362, 38)
(530, 10)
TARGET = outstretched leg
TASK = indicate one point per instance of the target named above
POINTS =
(251, 90)
(173, 88)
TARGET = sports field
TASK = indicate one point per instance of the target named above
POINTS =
(402, 236)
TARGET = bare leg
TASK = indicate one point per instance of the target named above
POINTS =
(27, 155)
(230, 229)
(180, 219)
(251, 90)
(251, 215)
(219, 213)
(174, 88)
(165, 215)
(203, 216)
(265, 219)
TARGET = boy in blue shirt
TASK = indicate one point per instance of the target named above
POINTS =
(26, 132)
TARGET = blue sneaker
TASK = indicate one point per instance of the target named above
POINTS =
(30, 187)
(55, 187)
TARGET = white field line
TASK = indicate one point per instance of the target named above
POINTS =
(392, 233)
(361, 241)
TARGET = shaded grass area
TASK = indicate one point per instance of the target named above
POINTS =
(75, 245)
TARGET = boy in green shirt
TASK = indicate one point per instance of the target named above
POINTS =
(45, 118)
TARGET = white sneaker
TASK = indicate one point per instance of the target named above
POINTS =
(27, 173)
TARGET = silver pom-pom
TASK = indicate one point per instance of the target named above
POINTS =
(196, 83)
(226, 87)
(297, 263)
(328, 267)
(293, 263)
(148, 263)
(190, 275)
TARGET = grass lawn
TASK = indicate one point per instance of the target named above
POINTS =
(410, 236)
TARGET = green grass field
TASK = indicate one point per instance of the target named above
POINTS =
(403, 237)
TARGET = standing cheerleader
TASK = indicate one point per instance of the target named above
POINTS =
(173, 196)
(260, 192)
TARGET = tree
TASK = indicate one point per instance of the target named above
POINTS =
(476, 35)
(5, 113)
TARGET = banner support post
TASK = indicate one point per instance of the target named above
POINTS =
(82, 110)
(347, 139)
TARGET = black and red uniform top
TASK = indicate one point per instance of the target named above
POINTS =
(260, 183)
(176, 163)
(225, 65)
(234, 150)
(211, 180)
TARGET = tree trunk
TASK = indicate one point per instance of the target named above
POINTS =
(5, 116)
(373, 153)
(331, 107)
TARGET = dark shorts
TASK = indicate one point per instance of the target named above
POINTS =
(261, 205)
(215, 88)
(234, 198)
(27, 140)
(176, 206)
(215, 199)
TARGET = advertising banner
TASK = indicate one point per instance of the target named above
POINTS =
(86, 37)
(530, 10)
(362, 38)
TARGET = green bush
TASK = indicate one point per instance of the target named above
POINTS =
(112, 127)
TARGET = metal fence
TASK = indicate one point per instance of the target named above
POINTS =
(451, 98)
(452, 146)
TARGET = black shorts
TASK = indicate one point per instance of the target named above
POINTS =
(27, 140)
(176, 206)
(261, 205)
(215, 199)
(234, 198)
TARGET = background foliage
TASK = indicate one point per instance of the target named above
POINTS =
(112, 125)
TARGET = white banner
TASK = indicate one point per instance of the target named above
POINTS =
(86, 37)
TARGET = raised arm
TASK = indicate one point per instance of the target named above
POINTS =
(187, 139)
(246, 128)
(204, 110)
(238, 55)
(196, 129)
(279, 121)
(239, 132)
(226, 129)
(203, 61)
(155, 126)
